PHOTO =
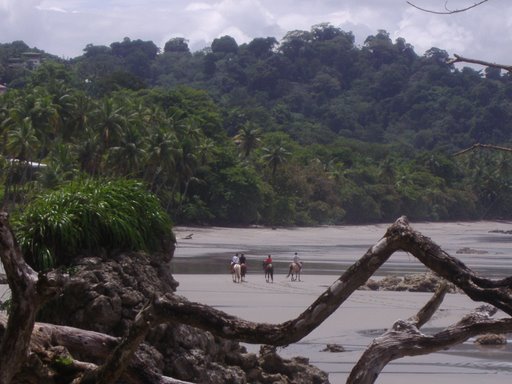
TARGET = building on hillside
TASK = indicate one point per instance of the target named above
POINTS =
(3, 89)
(32, 60)
(28, 60)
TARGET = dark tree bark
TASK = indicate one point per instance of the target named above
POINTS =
(30, 290)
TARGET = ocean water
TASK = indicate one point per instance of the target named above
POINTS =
(486, 247)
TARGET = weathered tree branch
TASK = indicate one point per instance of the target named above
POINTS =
(486, 146)
(447, 11)
(460, 59)
(404, 339)
(428, 310)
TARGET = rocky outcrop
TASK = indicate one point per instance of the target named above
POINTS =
(418, 282)
(491, 339)
(105, 294)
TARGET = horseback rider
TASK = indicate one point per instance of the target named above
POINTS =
(234, 260)
(242, 259)
(267, 262)
(296, 260)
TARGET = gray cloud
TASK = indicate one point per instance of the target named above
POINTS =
(65, 27)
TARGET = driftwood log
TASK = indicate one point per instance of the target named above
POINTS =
(30, 291)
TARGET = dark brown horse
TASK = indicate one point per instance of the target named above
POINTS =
(243, 271)
(269, 272)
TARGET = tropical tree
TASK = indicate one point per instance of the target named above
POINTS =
(22, 141)
(247, 139)
(108, 122)
(275, 155)
(128, 157)
(161, 148)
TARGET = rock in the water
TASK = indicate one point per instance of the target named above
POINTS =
(333, 348)
(491, 339)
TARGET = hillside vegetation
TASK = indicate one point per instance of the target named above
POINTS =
(309, 130)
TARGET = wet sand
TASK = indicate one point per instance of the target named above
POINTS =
(200, 265)
(354, 325)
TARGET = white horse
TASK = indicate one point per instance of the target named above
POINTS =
(294, 271)
(236, 273)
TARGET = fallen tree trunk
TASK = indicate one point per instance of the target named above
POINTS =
(81, 354)
(173, 309)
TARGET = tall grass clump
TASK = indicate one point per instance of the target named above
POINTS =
(87, 216)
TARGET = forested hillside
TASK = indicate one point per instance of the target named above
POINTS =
(309, 130)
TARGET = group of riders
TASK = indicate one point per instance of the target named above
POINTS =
(267, 265)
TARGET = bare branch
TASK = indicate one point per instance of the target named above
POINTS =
(460, 59)
(404, 339)
(448, 11)
(488, 146)
(428, 310)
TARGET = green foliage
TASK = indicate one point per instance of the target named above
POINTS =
(87, 216)
(326, 131)
(224, 45)
(64, 361)
(236, 195)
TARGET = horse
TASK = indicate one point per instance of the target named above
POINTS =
(236, 273)
(243, 271)
(269, 272)
(294, 271)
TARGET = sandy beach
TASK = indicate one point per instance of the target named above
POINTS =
(200, 265)
(354, 325)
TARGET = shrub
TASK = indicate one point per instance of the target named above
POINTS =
(87, 216)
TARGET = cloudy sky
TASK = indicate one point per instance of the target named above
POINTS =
(65, 27)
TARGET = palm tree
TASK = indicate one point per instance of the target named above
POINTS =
(89, 151)
(77, 115)
(247, 139)
(275, 155)
(205, 149)
(22, 141)
(109, 122)
(161, 147)
(127, 157)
